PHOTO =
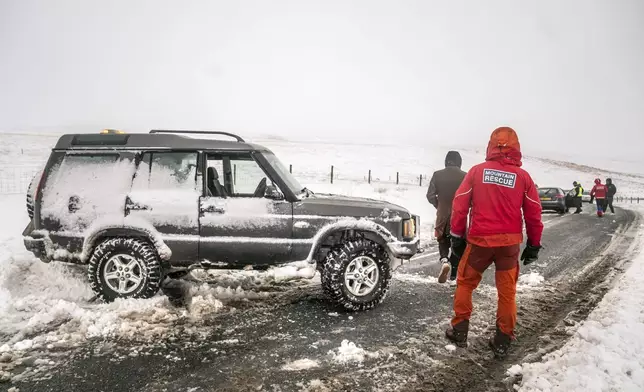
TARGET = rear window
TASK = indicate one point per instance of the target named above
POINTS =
(548, 191)
(93, 185)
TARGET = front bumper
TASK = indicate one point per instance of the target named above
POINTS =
(404, 249)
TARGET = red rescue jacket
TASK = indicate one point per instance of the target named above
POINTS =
(599, 191)
(498, 196)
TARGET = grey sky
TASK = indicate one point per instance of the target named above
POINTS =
(567, 75)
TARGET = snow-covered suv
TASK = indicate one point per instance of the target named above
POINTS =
(140, 207)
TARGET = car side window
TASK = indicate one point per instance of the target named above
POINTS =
(167, 170)
(235, 175)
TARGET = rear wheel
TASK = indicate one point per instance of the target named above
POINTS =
(356, 275)
(124, 268)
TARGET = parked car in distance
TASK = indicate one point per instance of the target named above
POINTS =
(554, 199)
(138, 208)
(585, 197)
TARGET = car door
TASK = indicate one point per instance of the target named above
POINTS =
(165, 194)
(239, 224)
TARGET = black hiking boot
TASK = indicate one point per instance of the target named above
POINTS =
(500, 344)
(458, 333)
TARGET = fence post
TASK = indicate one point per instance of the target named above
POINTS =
(397, 178)
(290, 169)
(369, 176)
(331, 174)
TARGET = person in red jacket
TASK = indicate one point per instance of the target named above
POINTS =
(599, 192)
(497, 195)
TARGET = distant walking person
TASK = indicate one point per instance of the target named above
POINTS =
(498, 196)
(440, 194)
(579, 192)
(599, 192)
(612, 190)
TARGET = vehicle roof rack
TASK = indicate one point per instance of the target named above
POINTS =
(239, 139)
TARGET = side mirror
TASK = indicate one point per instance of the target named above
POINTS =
(273, 193)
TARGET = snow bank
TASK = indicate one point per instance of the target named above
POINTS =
(607, 351)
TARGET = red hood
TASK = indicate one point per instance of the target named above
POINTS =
(504, 147)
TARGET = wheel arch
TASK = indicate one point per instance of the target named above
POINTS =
(333, 234)
(97, 236)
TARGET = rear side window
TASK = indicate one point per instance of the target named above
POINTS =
(83, 188)
(167, 170)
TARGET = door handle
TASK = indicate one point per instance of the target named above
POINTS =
(133, 206)
(138, 207)
(212, 209)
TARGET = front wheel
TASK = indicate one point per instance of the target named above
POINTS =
(124, 268)
(356, 275)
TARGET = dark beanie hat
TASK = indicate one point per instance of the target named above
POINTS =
(453, 158)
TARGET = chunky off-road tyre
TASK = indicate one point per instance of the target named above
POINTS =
(356, 274)
(124, 268)
(31, 194)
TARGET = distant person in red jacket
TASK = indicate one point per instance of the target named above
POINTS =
(599, 192)
(498, 195)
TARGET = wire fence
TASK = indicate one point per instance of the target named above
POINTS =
(16, 179)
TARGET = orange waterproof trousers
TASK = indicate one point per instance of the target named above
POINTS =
(476, 259)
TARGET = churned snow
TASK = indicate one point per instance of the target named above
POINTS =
(301, 364)
(349, 352)
(531, 279)
(514, 370)
(48, 306)
(607, 351)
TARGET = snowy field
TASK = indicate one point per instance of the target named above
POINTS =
(48, 308)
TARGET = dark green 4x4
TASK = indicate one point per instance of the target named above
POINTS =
(140, 207)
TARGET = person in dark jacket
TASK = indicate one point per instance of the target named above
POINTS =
(612, 190)
(440, 194)
(579, 191)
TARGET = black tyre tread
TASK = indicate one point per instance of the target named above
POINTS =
(151, 261)
(337, 260)
(30, 196)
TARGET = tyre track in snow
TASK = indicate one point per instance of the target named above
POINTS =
(248, 349)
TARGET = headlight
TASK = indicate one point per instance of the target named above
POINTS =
(409, 228)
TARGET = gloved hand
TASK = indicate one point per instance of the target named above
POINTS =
(591, 201)
(458, 245)
(530, 254)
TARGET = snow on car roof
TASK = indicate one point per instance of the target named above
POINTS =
(150, 141)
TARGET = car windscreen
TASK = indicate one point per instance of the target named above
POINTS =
(283, 172)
